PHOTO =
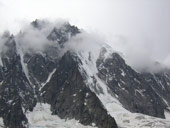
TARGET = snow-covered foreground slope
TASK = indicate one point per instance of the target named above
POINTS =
(136, 120)
(41, 117)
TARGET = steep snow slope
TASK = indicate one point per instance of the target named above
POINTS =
(1, 123)
(41, 117)
(124, 118)
(89, 70)
(48, 79)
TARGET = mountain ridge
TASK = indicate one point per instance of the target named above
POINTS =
(83, 84)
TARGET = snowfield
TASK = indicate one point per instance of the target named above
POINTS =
(41, 117)
(136, 120)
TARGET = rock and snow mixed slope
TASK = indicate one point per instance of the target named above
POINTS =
(110, 98)
(41, 117)
(81, 79)
(73, 98)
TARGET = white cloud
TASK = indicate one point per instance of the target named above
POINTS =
(32, 39)
(167, 61)
(142, 26)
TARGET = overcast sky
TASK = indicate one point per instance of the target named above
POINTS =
(140, 27)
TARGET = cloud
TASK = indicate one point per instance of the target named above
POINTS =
(142, 52)
(1, 4)
(3, 40)
(167, 61)
(140, 28)
(33, 37)
(85, 41)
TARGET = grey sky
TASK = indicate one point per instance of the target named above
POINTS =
(138, 28)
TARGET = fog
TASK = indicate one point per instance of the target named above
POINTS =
(34, 38)
(140, 29)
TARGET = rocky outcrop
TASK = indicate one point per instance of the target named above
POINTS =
(71, 98)
(160, 83)
(16, 94)
(62, 34)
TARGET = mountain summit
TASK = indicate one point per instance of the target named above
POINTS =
(56, 75)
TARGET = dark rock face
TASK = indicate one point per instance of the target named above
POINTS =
(39, 66)
(70, 98)
(160, 83)
(15, 118)
(131, 89)
(62, 34)
(15, 90)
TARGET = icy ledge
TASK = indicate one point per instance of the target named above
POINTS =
(41, 117)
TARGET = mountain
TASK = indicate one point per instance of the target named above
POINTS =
(69, 80)
(131, 88)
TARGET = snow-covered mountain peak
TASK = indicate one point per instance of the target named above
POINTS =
(74, 75)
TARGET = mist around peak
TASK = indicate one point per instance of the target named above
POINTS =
(40, 34)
